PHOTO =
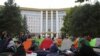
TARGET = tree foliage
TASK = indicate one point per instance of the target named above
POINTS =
(81, 1)
(10, 18)
(83, 20)
(66, 20)
(25, 25)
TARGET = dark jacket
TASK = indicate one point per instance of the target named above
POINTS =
(87, 51)
(53, 50)
(22, 38)
(20, 51)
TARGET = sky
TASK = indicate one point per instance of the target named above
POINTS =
(44, 3)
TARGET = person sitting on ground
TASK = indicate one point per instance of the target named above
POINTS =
(46, 43)
(66, 43)
(20, 49)
(11, 46)
(58, 41)
(75, 43)
(73, 49)
(53, 50)
(38, 40)
(86, 50)
(21, 37)
(27, 43)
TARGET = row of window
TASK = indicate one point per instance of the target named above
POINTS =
(35, 17)
(34, 29)
(38, 31)
(30, 12)
(44, 25)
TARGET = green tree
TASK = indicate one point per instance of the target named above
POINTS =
(10, 19)
(81, 1)
(83, 20)
(67, 20)
(25, 25)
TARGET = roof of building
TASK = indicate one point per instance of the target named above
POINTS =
(32, 9)
(24, 8)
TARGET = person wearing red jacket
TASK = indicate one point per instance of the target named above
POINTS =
(46, 43)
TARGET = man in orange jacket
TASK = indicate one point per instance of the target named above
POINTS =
(27, 44)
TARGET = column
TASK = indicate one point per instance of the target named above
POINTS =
(46, 22)
(57, 24)
(51, 24)
(41, 30)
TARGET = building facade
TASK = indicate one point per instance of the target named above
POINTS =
(44, 21)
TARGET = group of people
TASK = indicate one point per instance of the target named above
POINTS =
(23, 44)
(85, 45)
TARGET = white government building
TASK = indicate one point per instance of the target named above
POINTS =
(44, 21)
